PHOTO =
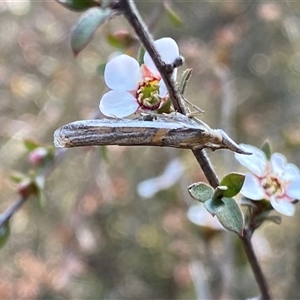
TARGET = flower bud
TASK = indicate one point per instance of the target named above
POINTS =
(27, 187)
(38, 156)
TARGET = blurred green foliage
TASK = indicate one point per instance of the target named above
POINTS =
(95, 237)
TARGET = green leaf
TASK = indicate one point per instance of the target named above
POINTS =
(231, 216)
(213, 207)
(17, 177)
(266, 148)
(121, 39)
(100, 68)
(140, 55)
(185, 77)
(84, 30)
(234, 183)
(173, 16)
(228, 213)
(4, 232)
(30, 145)
(219, 193)
(275, 219)
(166, 108)
(114, 41)
(200, 191)
(79, 5)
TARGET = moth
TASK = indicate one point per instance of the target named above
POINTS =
(172, 130)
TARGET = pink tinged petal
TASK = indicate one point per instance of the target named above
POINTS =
(168, 50)
(278, 162)
(256, 162)
(290, 172)
(122, 73)
(282, 206)
(118, 104)
(293, 189)
(252, 188)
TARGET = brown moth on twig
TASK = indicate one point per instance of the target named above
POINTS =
(172, 130)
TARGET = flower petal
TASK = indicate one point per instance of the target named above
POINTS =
(168, 50)
(256, 163)
(282, 206)
(118, 104)
(252, 188)
(122, 73)
(278, 162)
(293, 189)
(290, 172)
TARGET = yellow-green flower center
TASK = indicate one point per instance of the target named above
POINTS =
(272, 186)
(148, 94)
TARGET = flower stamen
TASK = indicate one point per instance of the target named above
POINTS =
(272, 186)
(148, 94)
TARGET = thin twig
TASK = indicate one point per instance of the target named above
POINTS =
(5, 216)
(259, 276)
(207, 167)
(18, 203)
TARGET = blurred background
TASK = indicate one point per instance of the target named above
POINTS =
(101, 229)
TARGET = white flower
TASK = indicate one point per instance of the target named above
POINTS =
(274, 180)
(134, 87)
(171, 175)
